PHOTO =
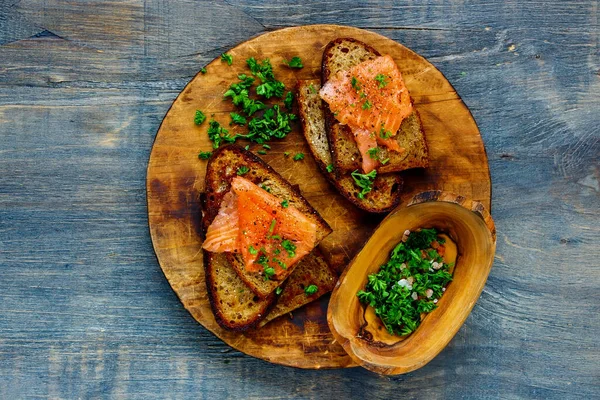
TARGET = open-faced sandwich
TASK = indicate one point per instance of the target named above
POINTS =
(260, 254)
(361, 125)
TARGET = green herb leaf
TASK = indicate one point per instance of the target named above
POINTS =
(289, 247)
(364, 182)
(242, 170)
(262, 152)
(228, 58)
(203, 70)
(289, 100)
(272, 226)
(295, 62)
(381, 79)
(269, 272)
(278, 290)
(266, 146)
(247, 147)
(384, 134)
(366, 105)
(218, 134)
(298, 156)
(373, 153)
(237, 119)
(355, 84)
(264, 71)
(252, 250)
(329, 168)
(205, 155)
(312, 89)
(285, 203)
(311, 289)
(199, 118)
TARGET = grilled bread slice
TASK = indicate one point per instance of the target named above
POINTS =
(222, 168)
(234, 305)
(311, 270)
(385, 194)
(340, 55)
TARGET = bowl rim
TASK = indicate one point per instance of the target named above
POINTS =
(475, 207)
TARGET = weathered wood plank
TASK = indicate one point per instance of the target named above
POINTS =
(86, 312)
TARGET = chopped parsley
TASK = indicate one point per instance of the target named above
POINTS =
(387, 160)
(312, 89)
(381, 79)
(237, 119)
(205, 155)
(264, 187)
(252, 250)
(286, 153)
(364, 182)
(299, 156)
(262, 152)
(285, 203)
(239, 93)
(409, 284)
(228, 58)
(272, 226)
(289, 247)
(295, 62)
(264, 71)
(266, 146)
(289, 100)
(242, 170)
(329, 168)
(355, 84)
(247, 147)
(278, 290)
(367, 105)
(311, 289)
(268, 272)
(384, 134)
(218, 134)
(203, 70)
(373, 153)
(199, 118)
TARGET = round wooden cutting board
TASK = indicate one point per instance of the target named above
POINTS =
(176, 179)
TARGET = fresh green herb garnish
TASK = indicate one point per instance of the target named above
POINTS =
(329, 168)
(278, 290)
(285, 203)
(205, 155)
(237, 119)
(295, 62)
(299, 156)
(289, 100)
(272, 226)
(311, 289)
(228, 58)
(312, 89)
(381, 79)
(264, 187)
(409, 284)
(264, 71)
(247, 147)
(240, 95)
(242, 170)
(266, 146)
(286, 153)
(364, 181)
(252, 250)
(384, 134)
(203, 70)
(268, 272)
(387, 160)
(366, 105)
(355, 84)
(199, 118)
(262, 152)
(289, 247)
(218, 134)
(373, 153)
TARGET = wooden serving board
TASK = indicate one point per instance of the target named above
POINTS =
(176, 178)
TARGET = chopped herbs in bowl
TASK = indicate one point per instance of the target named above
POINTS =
(410, 284)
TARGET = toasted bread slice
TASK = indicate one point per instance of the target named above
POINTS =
(340, 55)
(222, 168)
(311, 270)
(386, 188)
(234, 305)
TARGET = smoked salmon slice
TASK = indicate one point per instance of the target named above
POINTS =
(253, 222)
(370, 96)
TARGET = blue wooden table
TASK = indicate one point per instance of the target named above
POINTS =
(85, 311)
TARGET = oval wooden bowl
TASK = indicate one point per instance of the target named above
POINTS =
(176, 178)
(472, 229)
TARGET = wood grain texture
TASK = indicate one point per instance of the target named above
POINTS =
(176, 179)
(85, 310)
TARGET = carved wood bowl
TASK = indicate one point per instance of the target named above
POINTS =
(471, 227)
